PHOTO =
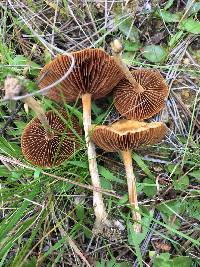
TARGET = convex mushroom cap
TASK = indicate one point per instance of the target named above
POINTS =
(144, 103)
(125, 135)
(95, 73)
(45, 151)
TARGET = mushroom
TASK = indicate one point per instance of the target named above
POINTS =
(45, 150)
(142, 93)
(123, 136)
(95, 74)
(43, 140)
(139, 105)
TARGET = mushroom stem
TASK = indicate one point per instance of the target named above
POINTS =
(37, 108)
(132, 193)
(99, 207)
(117, 51)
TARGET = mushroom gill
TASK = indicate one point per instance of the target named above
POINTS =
(48, 151)
(139, 105)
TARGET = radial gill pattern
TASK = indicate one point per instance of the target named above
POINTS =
(94, 72)
(126, 135)
(47, 152)
(141, 105)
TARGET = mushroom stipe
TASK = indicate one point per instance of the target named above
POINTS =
(122, 137)
(94, 76)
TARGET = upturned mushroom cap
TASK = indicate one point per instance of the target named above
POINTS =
(95, 72)
(141, 105)
(47, 152)
(128, 134)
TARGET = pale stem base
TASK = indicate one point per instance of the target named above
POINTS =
(99, 207)
(132, 192)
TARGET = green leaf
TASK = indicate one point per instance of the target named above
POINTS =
(123, 200)
(47, 56)
(175, 38)
(81, 164)
(146, 222)
(23, 62)
(190, 25)
(111, 263)
(154, 53)
(163, 260)
(174, 169)
(31, 86)
(109, 175)
(101, 264)
(182, 261)
(15, 175)
(80, 212)
(171, 207)
(129, 30)
(128, 58)
(195, 174)
(4, 172)
(192, 208)
(149, 187)
(182, 183)
(100, 118)
(131, 46)
(10, 149)
(143, 166)
(170, 17)
(61, 187)
(32, 262)
(96, 110)
(134, 240)
(20, 126)
(105, 184)
(74, 111)
(168, 4)
(55, 247)
(37, 173)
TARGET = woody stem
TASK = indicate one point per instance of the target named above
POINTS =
(132, 193)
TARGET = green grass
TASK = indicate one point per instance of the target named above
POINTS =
(46, 216)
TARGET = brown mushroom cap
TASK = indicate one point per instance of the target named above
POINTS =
(47, 152)
(95, 72)
(128, 134)
(141, 105)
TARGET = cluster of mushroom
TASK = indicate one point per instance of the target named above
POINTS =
(137, 96)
